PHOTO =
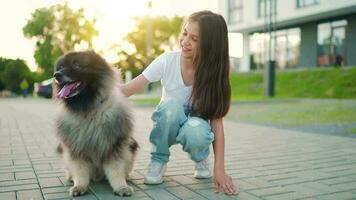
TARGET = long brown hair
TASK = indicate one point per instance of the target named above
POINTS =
(211, 91)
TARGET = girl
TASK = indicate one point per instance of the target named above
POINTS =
(195, 98)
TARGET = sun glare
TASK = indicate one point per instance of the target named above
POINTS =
(114, 19)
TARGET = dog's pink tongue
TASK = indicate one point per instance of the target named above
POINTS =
(66, 90)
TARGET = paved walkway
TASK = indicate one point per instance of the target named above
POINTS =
(265, 163)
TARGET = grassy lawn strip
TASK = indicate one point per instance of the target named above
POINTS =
(146, 101)
(296, 113)
(337, 83)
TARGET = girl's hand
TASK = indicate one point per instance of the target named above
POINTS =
(223, 183)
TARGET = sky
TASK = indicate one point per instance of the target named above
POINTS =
(113, 21)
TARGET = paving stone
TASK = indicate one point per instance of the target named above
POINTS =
(12, 169)
(346, 186)
(57, 195)
(184, 193)
(7, 177)
(160, 194)
(5, 163)
(18, 187)
(338, 196)
(29, 195)
(270, 191)
(184, 180)
(163, 185)
(8, 195)
(337, 180)
(21, 162)
(246, 196)
(40, 167)
(55, 190)
(200, 186)
(289, 196)
(50, 182)
(25, 175)
(259, 182)
(210, 194)
(311, 189)
(264, 162)
(17, 182)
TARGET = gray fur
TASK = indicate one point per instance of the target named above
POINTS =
(100, 132)
(99, 136)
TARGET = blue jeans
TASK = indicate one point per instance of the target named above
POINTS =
(173, 124)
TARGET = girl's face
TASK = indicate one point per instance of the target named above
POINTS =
(189, 40)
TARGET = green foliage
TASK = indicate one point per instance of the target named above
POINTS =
(14, 72)
(57, 29)
(246, 84)
(309, 83)
(3, 62)
(151, 38)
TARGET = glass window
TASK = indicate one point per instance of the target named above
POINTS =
(265, 8)
(258, 50)
(235, 11)
(331, 43)
(306, 3)
(293, 47)
(286, 47)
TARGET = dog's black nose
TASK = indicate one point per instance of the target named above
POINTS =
(58, 76)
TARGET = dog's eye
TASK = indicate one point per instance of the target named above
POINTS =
(76, 66)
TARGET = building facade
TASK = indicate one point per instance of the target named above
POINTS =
(304, 33)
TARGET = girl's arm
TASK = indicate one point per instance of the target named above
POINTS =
(134, 85)
(222, 181)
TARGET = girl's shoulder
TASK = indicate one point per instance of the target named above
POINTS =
(171, 54)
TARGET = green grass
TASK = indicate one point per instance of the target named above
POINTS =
(147, 101)
(339, 83)
(353, 131)
(296, 112)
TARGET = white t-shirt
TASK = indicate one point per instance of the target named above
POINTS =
(167, 69)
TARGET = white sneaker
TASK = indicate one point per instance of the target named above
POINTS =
(202, 169)
(155, 173)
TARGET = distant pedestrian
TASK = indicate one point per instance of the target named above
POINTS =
(339, 61)
(195, 98)
(24, 88)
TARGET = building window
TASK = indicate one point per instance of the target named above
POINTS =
(235, 11)
(306, 3)
(266, 8)
(331, 43)
(287, 48)
(258, 50)
(286, 53)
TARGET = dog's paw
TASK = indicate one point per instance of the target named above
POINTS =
(68, 180)
(77, 191)
(124, 191)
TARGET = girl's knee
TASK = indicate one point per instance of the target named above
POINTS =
(196, 134)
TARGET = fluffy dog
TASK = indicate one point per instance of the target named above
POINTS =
(95, 125)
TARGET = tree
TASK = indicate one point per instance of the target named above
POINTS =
(164, 36)
(14, 72)
(57, 29)
(3, 62)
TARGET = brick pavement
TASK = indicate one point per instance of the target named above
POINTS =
(265, 163)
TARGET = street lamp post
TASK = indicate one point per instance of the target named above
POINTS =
(269, 75)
